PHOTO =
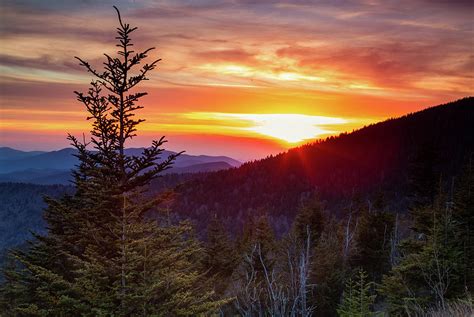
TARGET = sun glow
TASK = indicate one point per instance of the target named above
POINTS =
(291, 128)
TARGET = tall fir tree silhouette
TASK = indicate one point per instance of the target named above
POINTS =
(103, 256)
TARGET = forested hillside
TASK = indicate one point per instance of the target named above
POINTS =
(398, 156)
(21, 208)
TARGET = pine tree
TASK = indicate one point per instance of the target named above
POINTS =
(256, 268)
(463, 216)
(372, 238)
(39, 280)
(356, 300)
(431, 269)
(257, 230)
(327, 270)
(310, 216)
(220, 256)
(103, 255)
(264, 237)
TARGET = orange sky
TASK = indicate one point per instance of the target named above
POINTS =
(238, 78)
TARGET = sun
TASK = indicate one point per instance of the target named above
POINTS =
(292, 128)
(287, 127)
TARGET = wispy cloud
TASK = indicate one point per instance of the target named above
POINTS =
(371, 57)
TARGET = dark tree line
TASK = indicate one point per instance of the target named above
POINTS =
(21, 206)
(369, 262)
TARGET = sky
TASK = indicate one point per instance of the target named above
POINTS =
(238, 77)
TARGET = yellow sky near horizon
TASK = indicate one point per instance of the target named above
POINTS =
(237, 78)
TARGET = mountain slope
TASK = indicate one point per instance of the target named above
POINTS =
(54, 176)
(386, 155)
(7, 153)
(54, 167)
(200, 168)
(59, 160)
(21, 208)
(37, 176)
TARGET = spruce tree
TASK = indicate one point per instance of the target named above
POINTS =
(463, 216)
(258, 252)
(432, 268)
(310, 217)
(356, 299)
(103, 255)
(220, 257)
(327, 270)
(372, 238)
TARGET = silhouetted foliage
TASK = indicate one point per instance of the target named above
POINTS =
(102, 255)
(433, 268)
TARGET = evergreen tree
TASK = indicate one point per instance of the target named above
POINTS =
(356, 299)
(264, 236)
(258, 230)
(220, 256)
(258, 250)
(327, 270)
(39, 280)
(103, 256)
(431, 268)
(463, 216)
(373, 241)
(310, 217)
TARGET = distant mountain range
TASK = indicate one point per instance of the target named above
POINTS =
(7, 153)
(400, 158)
(55, 167)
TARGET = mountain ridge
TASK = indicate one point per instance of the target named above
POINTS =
(379, 156)
(11, 153)
(55, 167)
(339, 169)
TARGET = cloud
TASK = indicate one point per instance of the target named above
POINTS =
(385, 64)
(226, 55)
(46, 62)
(300, 56)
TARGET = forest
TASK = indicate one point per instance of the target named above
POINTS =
(377, 222)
